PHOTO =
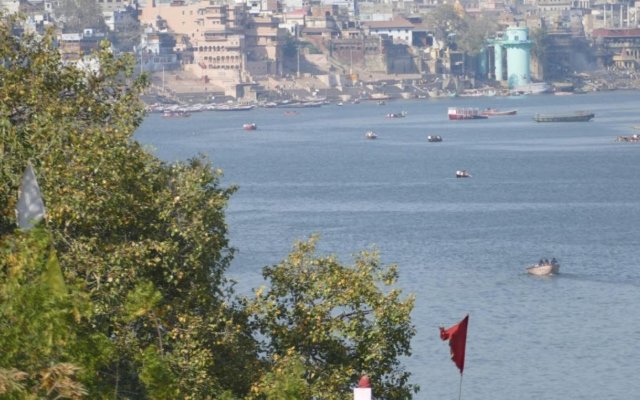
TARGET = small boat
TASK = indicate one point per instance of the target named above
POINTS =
(290, 113)
(578, 116)
(635, 138)
(494, 112)
(434, 138)
(462, 173)
(401, 114)
(250, 126)
(544, 267)
(371, 135)
(176, 114)
(458, 113)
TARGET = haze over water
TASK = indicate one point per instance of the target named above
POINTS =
(563, 190)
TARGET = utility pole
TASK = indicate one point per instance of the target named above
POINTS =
(298, 73)
(351, 60)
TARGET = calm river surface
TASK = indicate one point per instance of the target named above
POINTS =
(563, 190)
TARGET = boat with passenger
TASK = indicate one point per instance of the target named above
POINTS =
(250, 126)
(463, 173)
(371, 135)
(459, 113)
(434, 138)
(576, 116)
(544, 267)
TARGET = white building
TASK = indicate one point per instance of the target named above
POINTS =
(398, 29)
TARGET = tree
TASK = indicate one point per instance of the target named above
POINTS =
(79, 15)
(146, 240)
(44, 351)
(141, 247)
(446, 21)
(340, 320)
(127, 33)
(474, 38)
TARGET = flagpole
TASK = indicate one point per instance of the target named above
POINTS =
(460, 391)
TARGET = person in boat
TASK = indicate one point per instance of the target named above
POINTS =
(541, 262)
(554, 261)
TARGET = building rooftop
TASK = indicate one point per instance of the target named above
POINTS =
(397, 22)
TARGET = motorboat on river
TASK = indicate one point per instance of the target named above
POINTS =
(371, 135)
(463, 173)
(544, 267)
(434, 138)
(250, 126)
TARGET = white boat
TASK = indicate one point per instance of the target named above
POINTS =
(371, 135)
(459, 113)
(463, 173)
(434, 138)
(250, 126)
(544, 267)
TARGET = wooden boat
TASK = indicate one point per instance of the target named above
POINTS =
(434, 138)
(462, 173)
(578, 116)
(249, 126)
(371, 135)
(457, 113)
(544, 267)
(494, 112)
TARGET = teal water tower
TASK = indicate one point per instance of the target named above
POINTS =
(516, 42)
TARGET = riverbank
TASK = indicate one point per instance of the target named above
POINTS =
(188, 91)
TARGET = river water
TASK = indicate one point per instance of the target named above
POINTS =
(563, 190)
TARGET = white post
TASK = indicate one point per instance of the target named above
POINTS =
(362, 394)
(363, 391)
(298, 72)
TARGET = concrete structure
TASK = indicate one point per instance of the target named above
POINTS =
(518, 48)
(518, 58)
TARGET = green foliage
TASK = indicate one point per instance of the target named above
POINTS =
(120, 292)
(40, 331)
(285, 379)
(341, 320)
(145, 240)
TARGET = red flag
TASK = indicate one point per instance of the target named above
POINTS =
(457, 336)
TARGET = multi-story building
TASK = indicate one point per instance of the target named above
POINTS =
(229, 46)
